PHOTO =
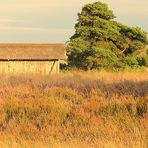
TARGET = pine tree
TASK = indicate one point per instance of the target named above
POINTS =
(99, 37)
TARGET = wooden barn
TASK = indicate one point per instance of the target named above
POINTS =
(31, 58)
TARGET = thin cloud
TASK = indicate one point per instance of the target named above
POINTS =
(9, 20)
(129, 6)
(39, 20)
(33, 29)
(39, 5)
(21, 28)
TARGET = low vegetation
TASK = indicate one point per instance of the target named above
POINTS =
(93, 109)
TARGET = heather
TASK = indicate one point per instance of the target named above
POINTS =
(79, 109)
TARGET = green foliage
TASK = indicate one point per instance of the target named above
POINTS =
(97, 58)
(131, 61)
(101, 42)
(143, 61)
(92, 10)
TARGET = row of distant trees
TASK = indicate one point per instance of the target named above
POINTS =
(100, 42)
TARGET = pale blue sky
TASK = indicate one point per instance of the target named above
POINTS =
(52, 21)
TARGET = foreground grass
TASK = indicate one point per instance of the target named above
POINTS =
(74, 110)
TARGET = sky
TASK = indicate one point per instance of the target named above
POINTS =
(52, 21)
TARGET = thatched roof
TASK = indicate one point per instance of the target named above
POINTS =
(32, 51)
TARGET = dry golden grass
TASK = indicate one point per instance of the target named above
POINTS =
(79, 109)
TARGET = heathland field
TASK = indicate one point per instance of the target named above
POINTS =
(93, 109)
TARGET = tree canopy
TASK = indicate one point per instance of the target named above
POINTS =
(101, 42)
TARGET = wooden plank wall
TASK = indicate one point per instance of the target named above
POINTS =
(33, 67)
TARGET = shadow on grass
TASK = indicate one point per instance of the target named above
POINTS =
(82, 84)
